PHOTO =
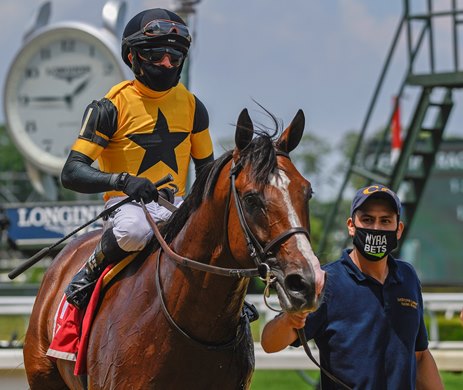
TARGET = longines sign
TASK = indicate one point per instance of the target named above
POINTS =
(43, 224)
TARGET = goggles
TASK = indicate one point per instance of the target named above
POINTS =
(156, 54)
(160, 27)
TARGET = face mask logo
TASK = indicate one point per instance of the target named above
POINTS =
(375, 245)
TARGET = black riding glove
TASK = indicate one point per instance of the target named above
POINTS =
(167, 194)
(137, 187)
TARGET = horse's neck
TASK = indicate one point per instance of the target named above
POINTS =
(215, 301)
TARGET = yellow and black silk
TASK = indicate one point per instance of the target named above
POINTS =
(146, 133)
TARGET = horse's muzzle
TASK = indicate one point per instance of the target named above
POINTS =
(297, 292)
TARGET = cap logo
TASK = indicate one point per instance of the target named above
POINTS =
(376, 188)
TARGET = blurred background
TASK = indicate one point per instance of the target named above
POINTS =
(379, 81)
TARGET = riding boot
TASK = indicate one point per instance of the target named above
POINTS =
(107, 251)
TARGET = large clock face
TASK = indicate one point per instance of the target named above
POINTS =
(50, 83)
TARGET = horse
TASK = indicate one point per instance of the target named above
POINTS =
(166, 324)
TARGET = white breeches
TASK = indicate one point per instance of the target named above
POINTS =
(129, 224)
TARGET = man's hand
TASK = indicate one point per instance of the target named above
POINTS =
(295, 320)
(281, 331)
(138, 188)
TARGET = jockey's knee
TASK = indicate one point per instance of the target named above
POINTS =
(133, 237)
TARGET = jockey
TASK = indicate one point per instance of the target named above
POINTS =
(142, 130)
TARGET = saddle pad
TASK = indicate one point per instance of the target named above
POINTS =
(71, 327)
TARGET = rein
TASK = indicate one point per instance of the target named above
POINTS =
(212, 347)
(231, 272)
(190, 263)
(305, 345)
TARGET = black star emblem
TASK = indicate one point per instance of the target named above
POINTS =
(159, 145)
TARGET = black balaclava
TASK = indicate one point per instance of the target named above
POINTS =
(157, 78)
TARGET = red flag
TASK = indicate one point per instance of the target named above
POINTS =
(396, 132)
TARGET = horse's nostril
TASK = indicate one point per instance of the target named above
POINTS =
(295, 283)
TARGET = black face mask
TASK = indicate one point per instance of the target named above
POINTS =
(375, 245)
(158, 78)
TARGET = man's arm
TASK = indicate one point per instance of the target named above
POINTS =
(78, 175)
(427, 374)
(280, 332)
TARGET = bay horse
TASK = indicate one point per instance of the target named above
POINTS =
(165, 325)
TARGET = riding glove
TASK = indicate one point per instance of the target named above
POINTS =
(137, 187)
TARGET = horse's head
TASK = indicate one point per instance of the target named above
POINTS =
(272, 207)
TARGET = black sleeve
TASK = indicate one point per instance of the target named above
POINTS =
(200, 163)
(78, 175)
(200, 123)
(201, 118)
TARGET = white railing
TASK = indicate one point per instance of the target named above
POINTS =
(448, 355)
(16, 305)
(449, 303)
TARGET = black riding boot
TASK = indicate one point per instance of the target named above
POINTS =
(107, 251)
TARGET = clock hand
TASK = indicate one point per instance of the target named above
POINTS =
(69, 98)
(44, 99)
(80, 87)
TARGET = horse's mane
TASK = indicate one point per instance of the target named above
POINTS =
(259, 155)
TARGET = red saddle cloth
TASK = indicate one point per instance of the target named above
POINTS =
(71, 330)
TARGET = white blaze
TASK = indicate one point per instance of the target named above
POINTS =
(281, 182)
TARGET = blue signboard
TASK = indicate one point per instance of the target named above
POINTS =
(42, 224)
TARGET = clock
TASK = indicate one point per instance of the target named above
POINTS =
(60, 69)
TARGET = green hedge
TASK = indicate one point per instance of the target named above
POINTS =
(449, 330)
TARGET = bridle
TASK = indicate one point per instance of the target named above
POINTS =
(259, 254)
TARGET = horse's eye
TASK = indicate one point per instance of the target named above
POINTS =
(252, 203)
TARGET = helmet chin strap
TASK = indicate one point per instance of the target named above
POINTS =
(136, 68)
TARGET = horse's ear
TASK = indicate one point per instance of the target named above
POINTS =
(244, 130)
(292, 134)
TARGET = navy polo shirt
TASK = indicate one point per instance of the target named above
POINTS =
(368, 332)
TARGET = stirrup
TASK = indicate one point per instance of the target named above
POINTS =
(80, 297)
(79, 290)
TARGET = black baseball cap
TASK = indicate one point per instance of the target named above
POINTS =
(375, 191)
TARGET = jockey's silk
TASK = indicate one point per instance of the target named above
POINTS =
(156, 134)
